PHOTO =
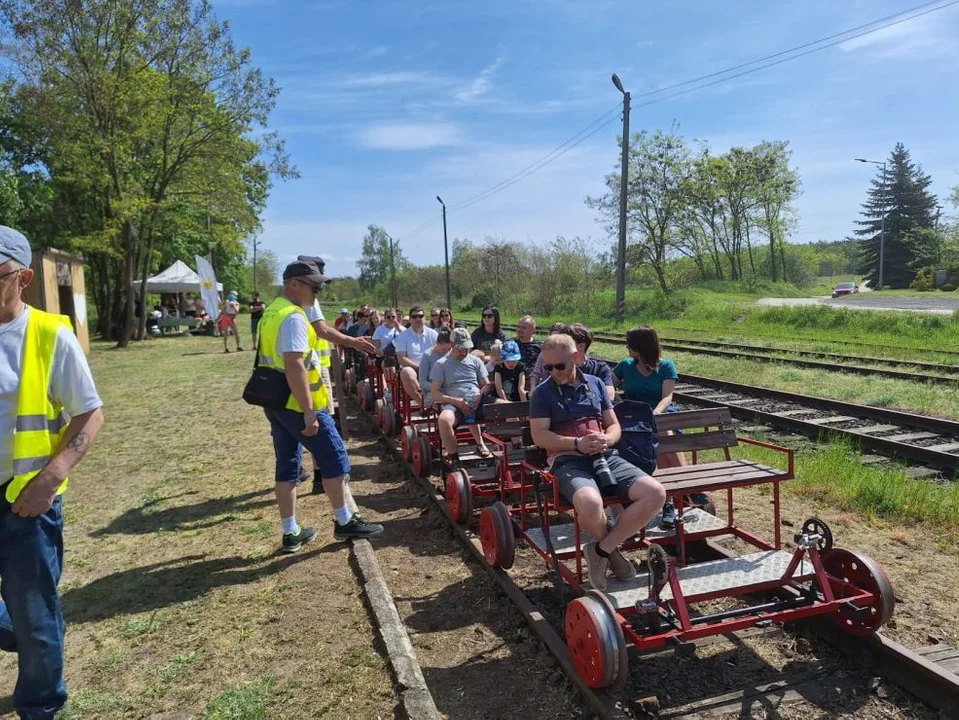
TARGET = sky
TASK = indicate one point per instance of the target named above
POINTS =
(385, 105)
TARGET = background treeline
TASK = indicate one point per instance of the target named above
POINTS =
(134, 134)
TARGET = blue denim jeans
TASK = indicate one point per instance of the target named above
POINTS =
(327, 447)
(31, 621)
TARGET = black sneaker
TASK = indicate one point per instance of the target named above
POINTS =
(699, 499)
(669, 516)
(357, 528)
(292, 543)
(239, 349)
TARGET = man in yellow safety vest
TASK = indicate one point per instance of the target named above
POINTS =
(288, 345)
(49, 416)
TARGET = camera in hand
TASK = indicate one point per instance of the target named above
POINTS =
(604, 477)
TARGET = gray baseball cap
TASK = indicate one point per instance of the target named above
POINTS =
(460, 338)
(14, 246)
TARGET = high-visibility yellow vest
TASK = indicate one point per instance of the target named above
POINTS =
(41, 425)
(269, 332)
(325, 352)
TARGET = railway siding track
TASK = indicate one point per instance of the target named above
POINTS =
(908, 436)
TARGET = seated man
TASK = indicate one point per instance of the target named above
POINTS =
(440, 350)
(457, 381)
(529, 348)
(583, 337)
(572, 418)
(411, 345)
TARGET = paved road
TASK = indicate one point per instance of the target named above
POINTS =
(938, 303)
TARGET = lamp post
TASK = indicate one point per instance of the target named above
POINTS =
(623, 183)
(882, 231)
(446, 251)
(392, 272)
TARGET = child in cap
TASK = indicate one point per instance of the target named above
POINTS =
(509, 375)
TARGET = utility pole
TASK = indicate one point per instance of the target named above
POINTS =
(446, 251)
(256, 243)
(392, 273)
(623, 187)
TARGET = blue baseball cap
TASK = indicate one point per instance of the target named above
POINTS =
(14, 246)
(510, 351)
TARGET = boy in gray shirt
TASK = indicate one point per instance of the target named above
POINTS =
(457, 383)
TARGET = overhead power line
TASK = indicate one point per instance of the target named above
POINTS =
(697, 83)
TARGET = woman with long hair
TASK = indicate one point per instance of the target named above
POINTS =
(488, 333)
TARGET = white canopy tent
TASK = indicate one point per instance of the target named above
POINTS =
(178, 278)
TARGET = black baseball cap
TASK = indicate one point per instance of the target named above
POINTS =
(305, 271)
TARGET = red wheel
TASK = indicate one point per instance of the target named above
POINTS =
(407, 439)
(864, 573)
(422, 457)
(379, 410)
(595, 641)
(459, 496)
(496, 535)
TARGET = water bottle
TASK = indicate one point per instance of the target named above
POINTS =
(604, 477)
(470, 415)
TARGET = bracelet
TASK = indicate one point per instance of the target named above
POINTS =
(576, 445)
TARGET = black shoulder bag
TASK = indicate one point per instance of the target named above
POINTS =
(266, 388)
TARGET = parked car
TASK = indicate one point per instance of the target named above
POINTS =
(847, 288)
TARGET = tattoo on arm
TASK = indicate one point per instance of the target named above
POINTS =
(79, 443)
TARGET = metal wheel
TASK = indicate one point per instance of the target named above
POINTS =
(595, 641)
(864, 573)
(390, 424)
(379, 408)
(815, 525)
(459, 497)
(407, 439)
(422, 457)
(369, 396)
(496, 536)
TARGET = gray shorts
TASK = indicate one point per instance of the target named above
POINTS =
(575, 471)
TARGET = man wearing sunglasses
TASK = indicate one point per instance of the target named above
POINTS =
(49, 417)
(288, 338)
(411, 346)
(572, 418)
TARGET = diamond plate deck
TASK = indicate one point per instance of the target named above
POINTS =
(696, 520)
(709, 577)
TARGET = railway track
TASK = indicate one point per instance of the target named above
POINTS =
(929, 675)
(931, 441)
(917, 439)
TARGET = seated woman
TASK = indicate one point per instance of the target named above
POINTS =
(647, 377)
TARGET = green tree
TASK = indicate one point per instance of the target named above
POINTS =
(777, 185)
(374, 263)
(903, 197)
(660, 165)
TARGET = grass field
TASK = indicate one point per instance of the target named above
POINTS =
(176, 601)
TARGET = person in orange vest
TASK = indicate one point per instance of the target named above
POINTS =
(49, 417)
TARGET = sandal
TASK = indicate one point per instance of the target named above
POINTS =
(484, 452)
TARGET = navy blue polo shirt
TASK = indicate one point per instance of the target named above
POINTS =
(584, 398)
(600, 369)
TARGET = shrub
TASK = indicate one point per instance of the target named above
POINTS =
(948, 287)
(925, 280)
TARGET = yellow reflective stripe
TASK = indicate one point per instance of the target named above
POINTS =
(316, 386)
(29, 465)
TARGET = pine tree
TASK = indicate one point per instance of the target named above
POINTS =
(903, 196)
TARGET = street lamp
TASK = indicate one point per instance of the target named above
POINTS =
(623, 182)
(882, 231)
(446, 251)
(392, 272)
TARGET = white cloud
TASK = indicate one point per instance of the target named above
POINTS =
(920, 38)
(481, 84)
(409, 136)
(391, 79)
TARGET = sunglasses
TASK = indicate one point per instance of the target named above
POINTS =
(417, 316)
(434, 314)
(557, 366)
(391, 317)
(361, 317)
(488, 315)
